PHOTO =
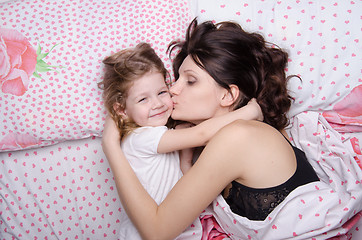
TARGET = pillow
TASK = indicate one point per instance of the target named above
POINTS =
(52, 54)
(322, 38)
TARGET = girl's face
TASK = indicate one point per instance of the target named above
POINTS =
(195, 94)
(149, 102)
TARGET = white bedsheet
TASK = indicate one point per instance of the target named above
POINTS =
(63, 191)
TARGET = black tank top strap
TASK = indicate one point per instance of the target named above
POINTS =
(257, 204)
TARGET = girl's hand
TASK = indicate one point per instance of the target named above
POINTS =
(256, 110)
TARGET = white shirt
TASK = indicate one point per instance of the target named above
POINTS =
(157, 172)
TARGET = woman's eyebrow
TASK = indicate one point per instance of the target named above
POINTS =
(190, 71)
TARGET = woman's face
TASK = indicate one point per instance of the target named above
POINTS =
(195, 94)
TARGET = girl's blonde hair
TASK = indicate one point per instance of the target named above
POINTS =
(121, 70)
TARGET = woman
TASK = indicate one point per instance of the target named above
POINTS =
(220, 68)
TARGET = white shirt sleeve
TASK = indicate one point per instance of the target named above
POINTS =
(145, 140)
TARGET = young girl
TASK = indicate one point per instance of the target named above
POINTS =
(137, 98)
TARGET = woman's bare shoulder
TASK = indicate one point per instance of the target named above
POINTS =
(242, 129)
(240, 137)
(248, 138)
(252, 149)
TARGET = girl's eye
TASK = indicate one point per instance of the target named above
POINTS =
(142, 100)
(162, 92)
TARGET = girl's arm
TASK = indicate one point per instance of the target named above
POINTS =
(199, 135)
(189, 197)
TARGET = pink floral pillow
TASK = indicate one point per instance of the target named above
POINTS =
(51, 53)
(18, 59)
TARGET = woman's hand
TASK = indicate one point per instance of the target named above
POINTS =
(111, 136)
(130, 191)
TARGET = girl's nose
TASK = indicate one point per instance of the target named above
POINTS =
(157, 103)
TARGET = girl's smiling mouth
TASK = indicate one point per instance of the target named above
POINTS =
(159, 114)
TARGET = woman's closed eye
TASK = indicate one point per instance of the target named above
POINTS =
(191, 80)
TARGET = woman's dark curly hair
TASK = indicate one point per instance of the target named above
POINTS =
(233, 56)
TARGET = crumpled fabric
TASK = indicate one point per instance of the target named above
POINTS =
(319, 210)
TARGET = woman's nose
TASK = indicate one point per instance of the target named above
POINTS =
(175, 88)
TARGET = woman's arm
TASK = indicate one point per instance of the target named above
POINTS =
(200, 134)
(189, 197)
(186, 155)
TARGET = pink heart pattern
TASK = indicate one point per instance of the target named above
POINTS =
(64, 191)
(323, 42)
(67, 104)
(322, 38)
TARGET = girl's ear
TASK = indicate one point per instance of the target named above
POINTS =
(230, 96)
(120, 110)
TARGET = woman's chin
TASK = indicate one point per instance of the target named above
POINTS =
(186, 116)
(174, 115)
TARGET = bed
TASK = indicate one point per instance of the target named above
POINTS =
(55, 182)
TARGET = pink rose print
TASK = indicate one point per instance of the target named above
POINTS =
(212, 229)
(346, 115)
(357, 149)
(353, 221)
(14, 141)
(18, 60)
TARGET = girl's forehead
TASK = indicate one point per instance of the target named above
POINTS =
(148, 82)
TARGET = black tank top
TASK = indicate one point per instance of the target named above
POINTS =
(256, 204)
